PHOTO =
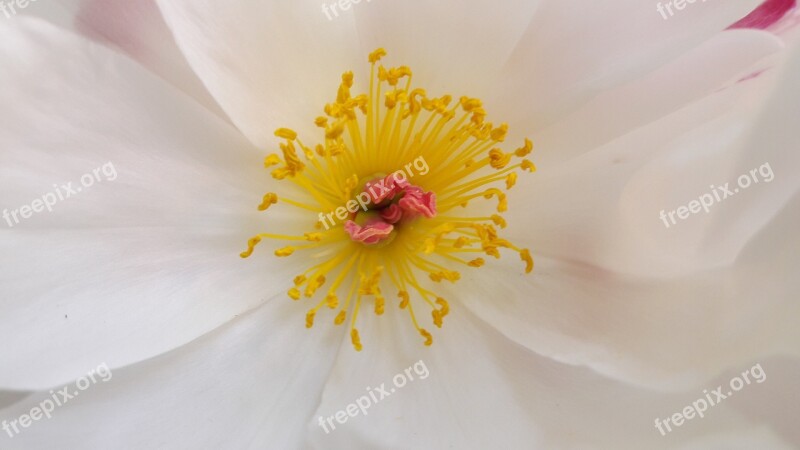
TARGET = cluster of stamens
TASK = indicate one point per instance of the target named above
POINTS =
(408, 226)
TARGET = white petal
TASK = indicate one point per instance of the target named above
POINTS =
(659, 333)
(480, 391)
(136, 29)
(132, 266)
(453, 46)
(268, 64)
(574, 50)
(250, 384)
(604, 207)
(704, 70)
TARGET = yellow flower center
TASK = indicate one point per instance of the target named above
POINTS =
(447, 151)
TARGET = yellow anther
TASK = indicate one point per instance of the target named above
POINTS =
(313, 285)
(451, 276)
(293, 162)
(444, 307)
(350, 184)
(498, 159)
(294, 293)
(470, 104)
(405, 299)
(391, 99)
(286, 133)
(300, 279)
(414, 106)
(281, 173)
(427, 336)
(525, 255)
(437, 318)
(369, 285)
(477, 262)
(269, 200)
(430, 246)
(511, 180)
(332, 300)
(499, 134)
(313, 237)
(321, 121)
(360, 101)
(271, 160)
(356, 339)
(478, 115)
(310, 318)
(336, 149)
(344, 89)
(527, 165)
(335, 131)
(525, 149)
(285, 251)
(499, 221)
(340, 317)
(380, 304)
(251, 245)
(502, 204)
(377, 55)
(461, 242)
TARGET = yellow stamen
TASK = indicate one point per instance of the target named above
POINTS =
(269, 199)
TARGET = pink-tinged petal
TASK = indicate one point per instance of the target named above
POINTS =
(138, 29)
(371, 233)
(766, 15)
(416, 201)
(392, 214)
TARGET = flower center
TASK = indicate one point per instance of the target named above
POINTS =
(393, 202)
(384, 190)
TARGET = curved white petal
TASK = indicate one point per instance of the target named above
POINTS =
(659, 333)
(453, 46)
(252, 383)
(278, 63)
(605, 207)
(574, 50)
(711, 66)
(144, 259)
(136, 29)
(268, 64)
(473, 389)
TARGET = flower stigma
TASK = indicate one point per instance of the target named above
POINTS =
(395, 227)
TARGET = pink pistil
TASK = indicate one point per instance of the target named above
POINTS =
(416, 201)
(371, 233)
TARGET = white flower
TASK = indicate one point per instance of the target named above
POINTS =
(623, 320)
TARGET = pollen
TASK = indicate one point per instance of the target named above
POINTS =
(384, 196)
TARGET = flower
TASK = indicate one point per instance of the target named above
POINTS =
(623, 320)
